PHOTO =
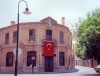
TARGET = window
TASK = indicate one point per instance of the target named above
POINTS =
(69, 60)
(29, 58)
(9, 59)
(6, 38)
(32, 35)
(61, 59)
(48, 34)
(61, 36)
(69, 42)
(14, 36)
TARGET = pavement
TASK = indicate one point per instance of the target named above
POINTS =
(59, 71)
(42, 72)
(77, 71)
(54, 73)
(86, 71)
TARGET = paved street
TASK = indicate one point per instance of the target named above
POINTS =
(78, 71)
(86, 71)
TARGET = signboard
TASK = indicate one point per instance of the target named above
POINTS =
(19, 51)
(33, 58)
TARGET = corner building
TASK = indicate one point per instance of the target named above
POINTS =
(45, 44)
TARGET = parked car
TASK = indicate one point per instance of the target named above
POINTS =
(97, 69)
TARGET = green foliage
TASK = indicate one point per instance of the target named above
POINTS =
(88, 36)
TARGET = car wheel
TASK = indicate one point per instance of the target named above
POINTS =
(99, 71)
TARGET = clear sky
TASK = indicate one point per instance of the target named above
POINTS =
(70, 9)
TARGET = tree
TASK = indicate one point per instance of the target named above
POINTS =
(88, 37)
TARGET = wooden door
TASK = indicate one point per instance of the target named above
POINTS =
(48, 64)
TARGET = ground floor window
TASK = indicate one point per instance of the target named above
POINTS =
(61, 59)
(9, 59)
(30, 61)
(69, 60)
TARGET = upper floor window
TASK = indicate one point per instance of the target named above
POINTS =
(32, 35)
(61, 36)
(69, 42)
(14, 36)
(61, 59)
(9, 59)
(6, 38)
(30, 54)
(48, 34)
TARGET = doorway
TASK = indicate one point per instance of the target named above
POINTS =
(49, 64)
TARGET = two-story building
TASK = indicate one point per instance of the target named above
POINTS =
(45, 44)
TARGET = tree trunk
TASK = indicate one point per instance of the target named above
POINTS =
(92, 63)
(98, 62)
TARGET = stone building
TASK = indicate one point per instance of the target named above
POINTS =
(34, 38)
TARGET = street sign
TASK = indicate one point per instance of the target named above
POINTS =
(33, 58)
(19, 51)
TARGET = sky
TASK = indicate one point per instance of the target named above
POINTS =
(40, 9)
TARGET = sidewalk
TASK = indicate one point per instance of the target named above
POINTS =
(42, 72)
(59, 71)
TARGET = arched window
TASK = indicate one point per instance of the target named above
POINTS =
(14, 36)
(61, 36)
(32, 35)
(69, 60)
(61, 58)
(6, 38)
(30, 54)
(48, 34)
(9, 59)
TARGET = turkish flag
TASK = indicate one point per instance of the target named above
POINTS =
(48, 48)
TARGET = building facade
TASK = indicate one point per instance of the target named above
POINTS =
(36, 41)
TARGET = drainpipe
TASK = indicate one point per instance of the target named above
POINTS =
(38, 46)
(58, 47)
(1, 51)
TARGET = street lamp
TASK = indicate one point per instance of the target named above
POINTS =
(25, 12)
(33, 57)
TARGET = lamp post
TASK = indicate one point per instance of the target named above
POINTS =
(33, 57)
(25, 12)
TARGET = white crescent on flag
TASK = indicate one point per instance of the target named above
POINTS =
(48, 46)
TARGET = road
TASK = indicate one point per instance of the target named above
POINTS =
(78, 71)
(86, 71)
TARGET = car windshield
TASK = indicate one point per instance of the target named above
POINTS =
(98, 66)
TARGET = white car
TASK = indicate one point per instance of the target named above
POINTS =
(97, 69)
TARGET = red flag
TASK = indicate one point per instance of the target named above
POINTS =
(48, 48)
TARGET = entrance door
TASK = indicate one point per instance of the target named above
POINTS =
(48, 64)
